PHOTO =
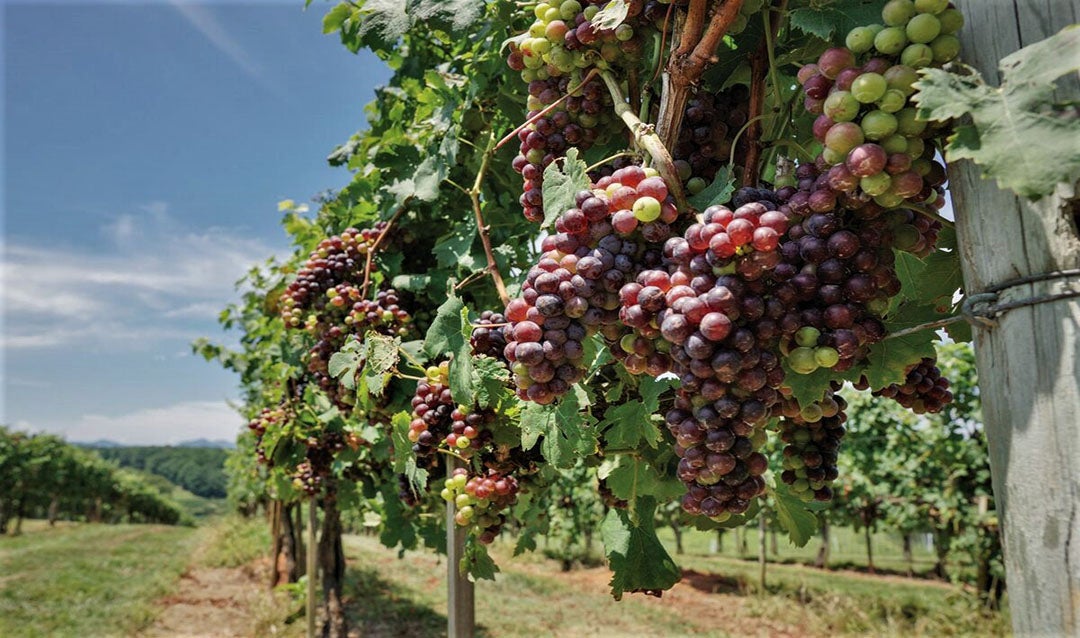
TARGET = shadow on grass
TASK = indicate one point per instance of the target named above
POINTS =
(714, 583)
(376, 607)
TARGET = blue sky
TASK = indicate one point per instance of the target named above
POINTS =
(146, 146)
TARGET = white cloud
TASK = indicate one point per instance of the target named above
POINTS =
(165, 425)
(159, 281)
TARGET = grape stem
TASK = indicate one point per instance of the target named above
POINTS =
(940, 323)
(762, 62)
(481, 228)
(547, 109)
(646, 138)
(694, 52)
(929, 212)
(378, 242)
(610, 158)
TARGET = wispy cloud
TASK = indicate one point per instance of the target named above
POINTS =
(158, 282)
(164, 425)
(205, 22)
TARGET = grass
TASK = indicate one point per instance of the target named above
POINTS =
(232, 541)
(87, 580)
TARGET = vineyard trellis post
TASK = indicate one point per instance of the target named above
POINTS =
(312, 569)
(460, 603)
(1029, 357)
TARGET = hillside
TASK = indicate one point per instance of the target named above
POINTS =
(199, 470)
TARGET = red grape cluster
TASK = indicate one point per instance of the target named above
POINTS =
(812, 436)
(488, 336)
(310, 474)
(924, 390)
(480, 499)
(709, 126)
(437, 419)
(573, 291)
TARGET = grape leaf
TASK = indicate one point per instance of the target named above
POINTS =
(561, 185)
(343, 365)
(888, 360)
(490, 378)
(461, 366)
(568, 433)
(444, 336)
(628, 424)
(718, 192)
(823, 19)
(1020, 136)
(651, 388)
(381, 358)
(807, 388)
(612, 15)
(404, 459)
(638, 560)
(476, 562)
(630, 477)
(800, 523)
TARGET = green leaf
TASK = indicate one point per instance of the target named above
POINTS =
(561, 184)
(342, 366)
(716, 193)
(444, 335)
(490, 379)
(638, 560)
(454, 250)
(568, 433)
(1022, 136)
(800, 523)
(629, 477)
(823, 19)
(807, 388)
(404, 459)
(650, 390)
(611, 15)
(628, 424)
(476, 562)
(888, 360)
(381, 358)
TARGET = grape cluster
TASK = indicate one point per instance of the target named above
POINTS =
(479, 499)
(812, 437)
(924, 389)
(709, 126)
(266, 419)
(874, 143)
(488, 335)
(310, 474)
(573, 291)
(437, 419)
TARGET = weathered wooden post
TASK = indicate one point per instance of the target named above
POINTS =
(460, 607)
(1029, 359)
(312, 570)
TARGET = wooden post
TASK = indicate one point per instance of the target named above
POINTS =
(312, 571)
(1029, 360)
(460, 608)
(761, 550)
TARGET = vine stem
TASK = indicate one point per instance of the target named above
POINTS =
(481, 228)
(411, 359)
(610, 158)
(378, 242)
(931, 213)
(762, 63)
(647, 139)
(547, 109)
(940, 323)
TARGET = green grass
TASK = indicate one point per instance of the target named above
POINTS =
(232, 541)
(87, 580)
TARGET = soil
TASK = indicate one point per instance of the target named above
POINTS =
(209, 602)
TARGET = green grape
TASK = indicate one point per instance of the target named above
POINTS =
(931, 6)
(540, 10)
(945, 48)
(869, 87)
(554, 14)
(807, 336)
(888, 200)
(802, 360)
(902, 78)
(841, 106)
(624, 32)
(907, 124)
(922, 166)
(895, 143)
(811, 413)
(878, 125)
(917, 56)
(832, 157)
(695, 185)
(860, 39)
(896, 13)
(905, 237)
(951, 21)
(892, 101)
(915, 146)
(591, 11)
(826, 357)
(844, 136)
(569, 9)
(891, 40)
(875, 185)
(923, 28)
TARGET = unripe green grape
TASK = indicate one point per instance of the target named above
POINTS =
(907, 124)
(738, 25)
(888, 200)
(902, 78)
(802, 435)
(931, 6)
(534, 62)
(540, 46)
(951, 21)
(588, 121)
(807, 336)
(875, 185)
(543, 73)
(569, 9)
(647, 209)
(860, 39)
(896, 13)
(945, 48)
(892, 101)
(832, 157)
(554, 14)
(841, 106)
(895, 143)
(528, 75)
(556, 31)
(811, 413)
(923, 28)
(591, 11)
(844, 136)
(802, 360)
(915, 146)
(869, 87)
(462, 500)
(459, 481)
(695, 185)
(562, 59)
(722, 517)
(795, 462)
(877, 125)
(905, 237)
(876, 28)
(541, 10)
(932, 198)
(624, 32)
(878, 305)
(922, 166)
(536, 30)
(758, 438)
(917, 56)
(891, 40)
(610, 51)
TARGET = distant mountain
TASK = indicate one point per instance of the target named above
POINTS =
(101, 443)
(218, 443)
